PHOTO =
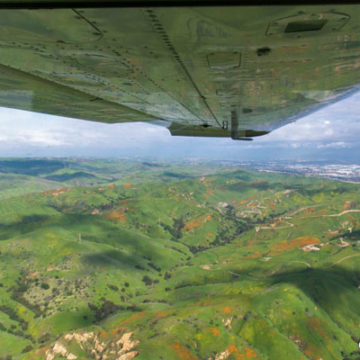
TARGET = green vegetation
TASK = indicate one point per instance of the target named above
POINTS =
(159, 261)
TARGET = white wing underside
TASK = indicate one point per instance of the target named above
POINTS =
(201, 71)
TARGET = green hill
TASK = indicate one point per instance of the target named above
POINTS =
(236, 264)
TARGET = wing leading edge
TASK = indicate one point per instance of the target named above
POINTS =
(236, 72)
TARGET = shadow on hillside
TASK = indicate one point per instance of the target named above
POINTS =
(126, 248)
(113, 259)
(334, 290)
(329, 288)
(70, 176)
(347, 236)
(27, 224)
(30, 167)
(319, 282)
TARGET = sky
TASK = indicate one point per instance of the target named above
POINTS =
(330, 134)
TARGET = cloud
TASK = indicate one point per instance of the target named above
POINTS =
(335, 127)
(338, 144)
(34, 129)
(340, 121)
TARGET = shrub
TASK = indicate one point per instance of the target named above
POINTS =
(27, 349)
(147, 280)
(113, 287)
(45, 286)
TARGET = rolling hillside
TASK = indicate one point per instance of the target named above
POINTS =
(181, 262)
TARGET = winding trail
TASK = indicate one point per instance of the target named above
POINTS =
(343, 212)
(304, 208)
(343, 259)
(301, 262)
(332, 215)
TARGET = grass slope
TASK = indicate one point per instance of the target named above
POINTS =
(233, 265)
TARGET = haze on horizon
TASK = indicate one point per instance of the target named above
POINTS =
(330, 134)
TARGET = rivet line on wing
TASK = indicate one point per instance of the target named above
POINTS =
(160, 29)
(99, 32)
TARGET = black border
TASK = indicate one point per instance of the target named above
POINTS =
(48, 4)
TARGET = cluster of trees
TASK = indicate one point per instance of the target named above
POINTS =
(11, 313)
(108, 308)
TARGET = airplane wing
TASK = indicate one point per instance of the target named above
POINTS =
(217, 71)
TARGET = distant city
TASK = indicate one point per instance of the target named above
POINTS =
(343, 172)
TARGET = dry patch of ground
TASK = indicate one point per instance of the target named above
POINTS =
(118, 215)
(56, 192)
(294, 244)
(182, 352)
(206, 267)
(193, 224)
(89, 342)
(233, 351)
